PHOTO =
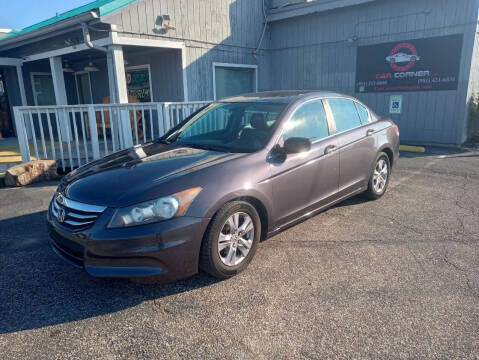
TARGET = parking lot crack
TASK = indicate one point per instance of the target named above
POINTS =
(471, 211)
(416, 259)
(400, 223)
(463, 194)
(465, 273)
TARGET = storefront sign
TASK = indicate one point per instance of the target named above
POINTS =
(138, 84)
(412, 65)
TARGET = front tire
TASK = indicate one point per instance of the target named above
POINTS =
(379, 179)
(231, 240)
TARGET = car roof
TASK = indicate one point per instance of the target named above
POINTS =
(282, 96)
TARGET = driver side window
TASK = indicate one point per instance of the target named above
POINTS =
(308, 121)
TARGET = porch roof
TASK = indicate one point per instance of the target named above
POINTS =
(104, 7)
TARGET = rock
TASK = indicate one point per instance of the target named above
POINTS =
(31, 172)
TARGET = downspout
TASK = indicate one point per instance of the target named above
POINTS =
(87, 39)
(91, 45)
(255, 51)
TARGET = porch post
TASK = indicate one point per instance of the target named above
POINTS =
(21, 85)
(116, 75)
(22, 134)
(111, 77)
(118, 91)
(58, 80)
(23, 97)
(183, 69)
(56, 68)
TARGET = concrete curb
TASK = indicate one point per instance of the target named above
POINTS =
(410, 148)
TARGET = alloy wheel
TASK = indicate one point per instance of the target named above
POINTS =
(236, 239)
(380, 176)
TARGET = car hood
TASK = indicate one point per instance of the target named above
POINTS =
(137, 174)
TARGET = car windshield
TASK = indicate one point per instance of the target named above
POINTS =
(241, 127)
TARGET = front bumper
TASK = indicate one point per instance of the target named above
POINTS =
(168, 249)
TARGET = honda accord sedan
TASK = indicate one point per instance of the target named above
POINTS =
(205, 194)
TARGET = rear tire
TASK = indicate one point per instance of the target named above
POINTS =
(379, 179)
(230, 240)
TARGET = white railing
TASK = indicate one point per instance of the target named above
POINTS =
(77, 134)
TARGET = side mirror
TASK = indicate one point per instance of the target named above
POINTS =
(297, 145)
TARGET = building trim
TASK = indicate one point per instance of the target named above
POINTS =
(6, 61)
(132, 41)
(287, 12)
(67, 50)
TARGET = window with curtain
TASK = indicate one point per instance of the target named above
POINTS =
(230, 81)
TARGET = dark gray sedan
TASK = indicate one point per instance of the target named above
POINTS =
(204, 195)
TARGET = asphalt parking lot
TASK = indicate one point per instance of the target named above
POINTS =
(394, 278)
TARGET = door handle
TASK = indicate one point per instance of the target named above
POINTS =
(330, 148)
(370, 132)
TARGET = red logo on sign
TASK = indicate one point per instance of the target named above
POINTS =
(401, 60)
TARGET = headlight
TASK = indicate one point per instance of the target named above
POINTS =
(154, 210)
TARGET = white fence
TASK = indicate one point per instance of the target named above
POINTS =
(77, 134)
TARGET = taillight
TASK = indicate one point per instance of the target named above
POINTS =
(396, 129)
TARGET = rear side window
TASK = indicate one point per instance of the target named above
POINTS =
(345, 114)
(363, 113)
(308, 121)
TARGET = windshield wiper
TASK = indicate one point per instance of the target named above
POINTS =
(163, 141)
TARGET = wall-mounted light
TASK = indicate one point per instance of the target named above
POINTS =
(162, 24)
(352, 39)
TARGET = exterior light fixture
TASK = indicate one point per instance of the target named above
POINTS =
(162, 24)
(67, 68)
(90, 67)
(353, 40)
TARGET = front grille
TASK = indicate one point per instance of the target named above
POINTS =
(73, 214)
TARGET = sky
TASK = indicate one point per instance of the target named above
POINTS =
(17, 14)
